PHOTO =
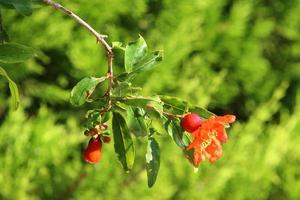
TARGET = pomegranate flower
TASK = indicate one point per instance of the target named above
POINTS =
(208, 138)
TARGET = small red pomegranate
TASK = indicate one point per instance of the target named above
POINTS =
(191, 122)
(92, 153)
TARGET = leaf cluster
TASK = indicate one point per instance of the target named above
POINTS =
(129, 109)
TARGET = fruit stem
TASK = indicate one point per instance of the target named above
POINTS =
(170, 116)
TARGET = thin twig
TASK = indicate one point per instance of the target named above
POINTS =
(110, 79)
(170, 116)
(100, 39)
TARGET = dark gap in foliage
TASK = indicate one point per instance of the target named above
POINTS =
(155, 7)
(227, 9)
(289, 101)
(128, 22)
(59, 64)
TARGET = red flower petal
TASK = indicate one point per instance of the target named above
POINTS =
(197, 157)
(227, 119)
(207, 138)
(195, 143)
(212, 148)
(213, 159)
(221, 133)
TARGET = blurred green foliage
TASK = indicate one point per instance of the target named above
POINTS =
(240, 57)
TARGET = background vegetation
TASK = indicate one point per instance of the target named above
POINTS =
(240, 57)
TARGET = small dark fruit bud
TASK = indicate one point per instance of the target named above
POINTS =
(87, 133)
(103, 127)
(92, 153)
(191, 122)
(106, 139)
(93, 131)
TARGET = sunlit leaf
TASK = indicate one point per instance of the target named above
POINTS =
(148, 103)
(124, 88)
(83, 89)
(134, 52)
(93, 118)
(146, 63)
(123, 143)
(175, 104)
(13, 89)
(118, 45)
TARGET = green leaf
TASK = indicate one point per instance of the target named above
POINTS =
(174, 104)
(175, 131)
(13, 89)
(15, 53)
(3, 35)
(22, 6)
(93, 119)
(15, 94)
(138, 101)
(123, 77)
(180, 106)
(152, 161)
(148, 103)
(140, 115)
(83, 89)
(138, 59)
(134, 51)
(148, 62)
(123, 143)
(137, 119)
(118, 45)
(200, 111)
(124, 88)
(190, 156)
(106, 117)
(6, 4)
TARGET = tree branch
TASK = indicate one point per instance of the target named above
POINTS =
(100, 39)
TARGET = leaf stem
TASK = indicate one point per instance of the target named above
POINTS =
(170, 116)
(100, 39)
